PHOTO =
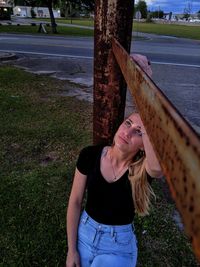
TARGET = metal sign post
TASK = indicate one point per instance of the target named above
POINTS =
(113, 18)
(175, 142)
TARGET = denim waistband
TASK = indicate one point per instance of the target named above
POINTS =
(104, 227)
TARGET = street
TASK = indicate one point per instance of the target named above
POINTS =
(159, 49)
(175, 63)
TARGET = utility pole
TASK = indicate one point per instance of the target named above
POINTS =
(113, 18)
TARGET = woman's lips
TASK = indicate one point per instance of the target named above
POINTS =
(123, 139)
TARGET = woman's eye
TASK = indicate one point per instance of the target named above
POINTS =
(138, 132)
(128, 123)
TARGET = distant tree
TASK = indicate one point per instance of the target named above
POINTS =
(157, 14)
(19, 2)
(187, 11)
(72, 7)
(33, 14)
(186, 15)
(198, 14)
(88, 4)
(33, 3)
(142, 7)
(149, 17)
(170, 15)
(46, 3)
(10, 2)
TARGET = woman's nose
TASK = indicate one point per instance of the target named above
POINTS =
(130, 131)
(127, 132)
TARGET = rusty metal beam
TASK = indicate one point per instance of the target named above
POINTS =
(176, 144)
(112, 18)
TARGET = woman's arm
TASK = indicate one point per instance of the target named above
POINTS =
(73, 215)
(152, 165)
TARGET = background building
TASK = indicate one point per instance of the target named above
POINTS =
(5, 10)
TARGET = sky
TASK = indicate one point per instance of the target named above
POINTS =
(174, 6)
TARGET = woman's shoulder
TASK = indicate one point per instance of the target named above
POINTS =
(88, 157)
(91, 149)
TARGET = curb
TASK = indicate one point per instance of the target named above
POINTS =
(7, 56)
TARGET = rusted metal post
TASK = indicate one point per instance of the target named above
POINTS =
(176, 144)
(113, 18)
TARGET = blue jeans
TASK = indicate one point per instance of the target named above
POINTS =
(101, 245)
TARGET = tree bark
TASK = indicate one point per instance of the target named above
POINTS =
(53, 22)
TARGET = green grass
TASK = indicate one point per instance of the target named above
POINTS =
(192, 32)
(183, 31)
(160, 242)
(62, 30)
(75, 21)
(41, 134)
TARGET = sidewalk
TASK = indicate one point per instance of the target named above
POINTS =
(79, 73)
(7, 56)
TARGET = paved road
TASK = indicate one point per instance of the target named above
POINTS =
(175, 63)
(158, 49)
(165, 49)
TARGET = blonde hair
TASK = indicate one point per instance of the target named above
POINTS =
(142, 192)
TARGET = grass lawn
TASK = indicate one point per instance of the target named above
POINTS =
(62, 30)
(76, 21)
(191, 32)
(41, 134)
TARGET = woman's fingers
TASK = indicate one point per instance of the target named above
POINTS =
(143, 62)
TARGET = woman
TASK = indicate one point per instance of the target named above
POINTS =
(117, 179)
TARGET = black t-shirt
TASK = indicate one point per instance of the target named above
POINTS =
(107, 203)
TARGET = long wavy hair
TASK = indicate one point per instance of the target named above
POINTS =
(142, 191)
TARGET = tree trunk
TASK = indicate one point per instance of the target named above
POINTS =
(53, 22)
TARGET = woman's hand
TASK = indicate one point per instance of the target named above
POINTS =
(73, 259)
(143, 62)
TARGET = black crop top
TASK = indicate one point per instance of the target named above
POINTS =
(107, 203)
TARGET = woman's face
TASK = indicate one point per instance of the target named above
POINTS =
(128, 138)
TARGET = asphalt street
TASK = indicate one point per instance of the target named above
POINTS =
(175, 64)
(159, 49)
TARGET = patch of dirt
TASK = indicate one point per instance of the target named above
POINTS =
(50, 157)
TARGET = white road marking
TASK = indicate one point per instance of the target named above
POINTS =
(9, 38)
(175, 64)
(46, 54)
(86, 57)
